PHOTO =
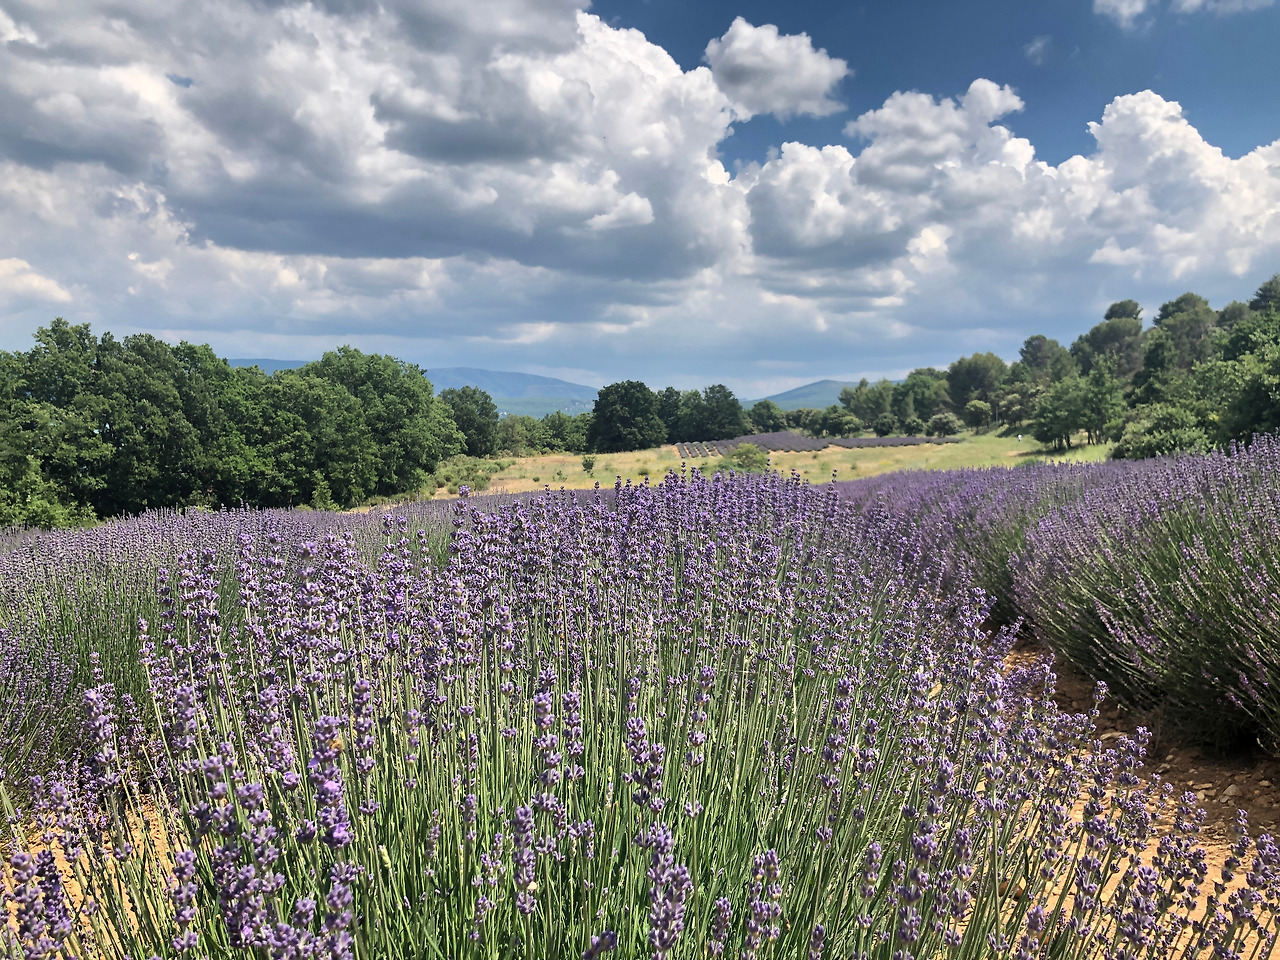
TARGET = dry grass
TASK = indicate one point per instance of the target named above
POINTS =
(557, 470)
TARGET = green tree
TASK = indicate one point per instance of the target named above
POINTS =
(922, 394)
(884, 425)
(724, 418)
(1234, 314)
(563, 432)
(977, 414)
(945, 424)
(1060, 414)
(158, 456)
(1162, 428)
(521, 435)
(866, 401)
(839, 422)
(669, 412)
(1046, 360)
(1101, 401)
(1118, 337)
(1267, 296)
(314, 430)
(412, 430)
(806, 419)
(1187, 324)
(476, 415)
(625, 418)
(767, 417)
(978, 377)
(748, 458)
(1018, 397)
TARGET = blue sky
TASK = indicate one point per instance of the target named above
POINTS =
(1065, 60)
(748, 193)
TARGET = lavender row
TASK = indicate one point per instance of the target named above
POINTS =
(734, 716)
(1166, 580)
(1161, 577)
(68, 595)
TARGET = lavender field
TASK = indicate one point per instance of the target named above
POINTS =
(739, 716)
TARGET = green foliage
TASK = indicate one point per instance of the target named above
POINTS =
(922, 394)
(475, 473)
(913, 426)
(867, 401)
(102, 427)
(806, 420)
(476, 415)
(838, 422)
(411, 430)
(588, 463)
(1046, 360)
(1101, 401)
(1118, 338)
(712, 414)
(767, 417)
(520, 435)
(975, 378)
(1162, 428)
(977, 413)
(561, 432)
(1253, 394)
(625, 418)
(1060, 414)
(884, 425)
(943, 425)
(748, 458)
(1267, 296)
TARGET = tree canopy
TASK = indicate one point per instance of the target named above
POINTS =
(625, 417)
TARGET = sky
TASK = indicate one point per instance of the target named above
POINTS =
(745, 193)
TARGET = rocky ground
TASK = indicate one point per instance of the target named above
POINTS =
(1223, 783)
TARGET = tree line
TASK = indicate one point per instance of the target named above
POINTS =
(1196, 378)
(98, 427)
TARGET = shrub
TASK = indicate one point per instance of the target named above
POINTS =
(748, 458)
(1160, 582)
(588, 463)
(943, 425)
(884, 425)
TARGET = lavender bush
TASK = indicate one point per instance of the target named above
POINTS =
(975, 520)
(730, 717)
(68, 596)
(1165, 580)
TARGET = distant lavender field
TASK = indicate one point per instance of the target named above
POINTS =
(729, 716)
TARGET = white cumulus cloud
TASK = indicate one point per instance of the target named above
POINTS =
(763, 71)
(520, 184)
(1123, 12)
(19, 282)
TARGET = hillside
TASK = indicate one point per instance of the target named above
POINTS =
(817, 395)
(510, 385)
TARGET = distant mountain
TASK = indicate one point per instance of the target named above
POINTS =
(817, 395)
(515, 393)
(501, 383)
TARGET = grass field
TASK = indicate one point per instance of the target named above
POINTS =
(976, 450)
